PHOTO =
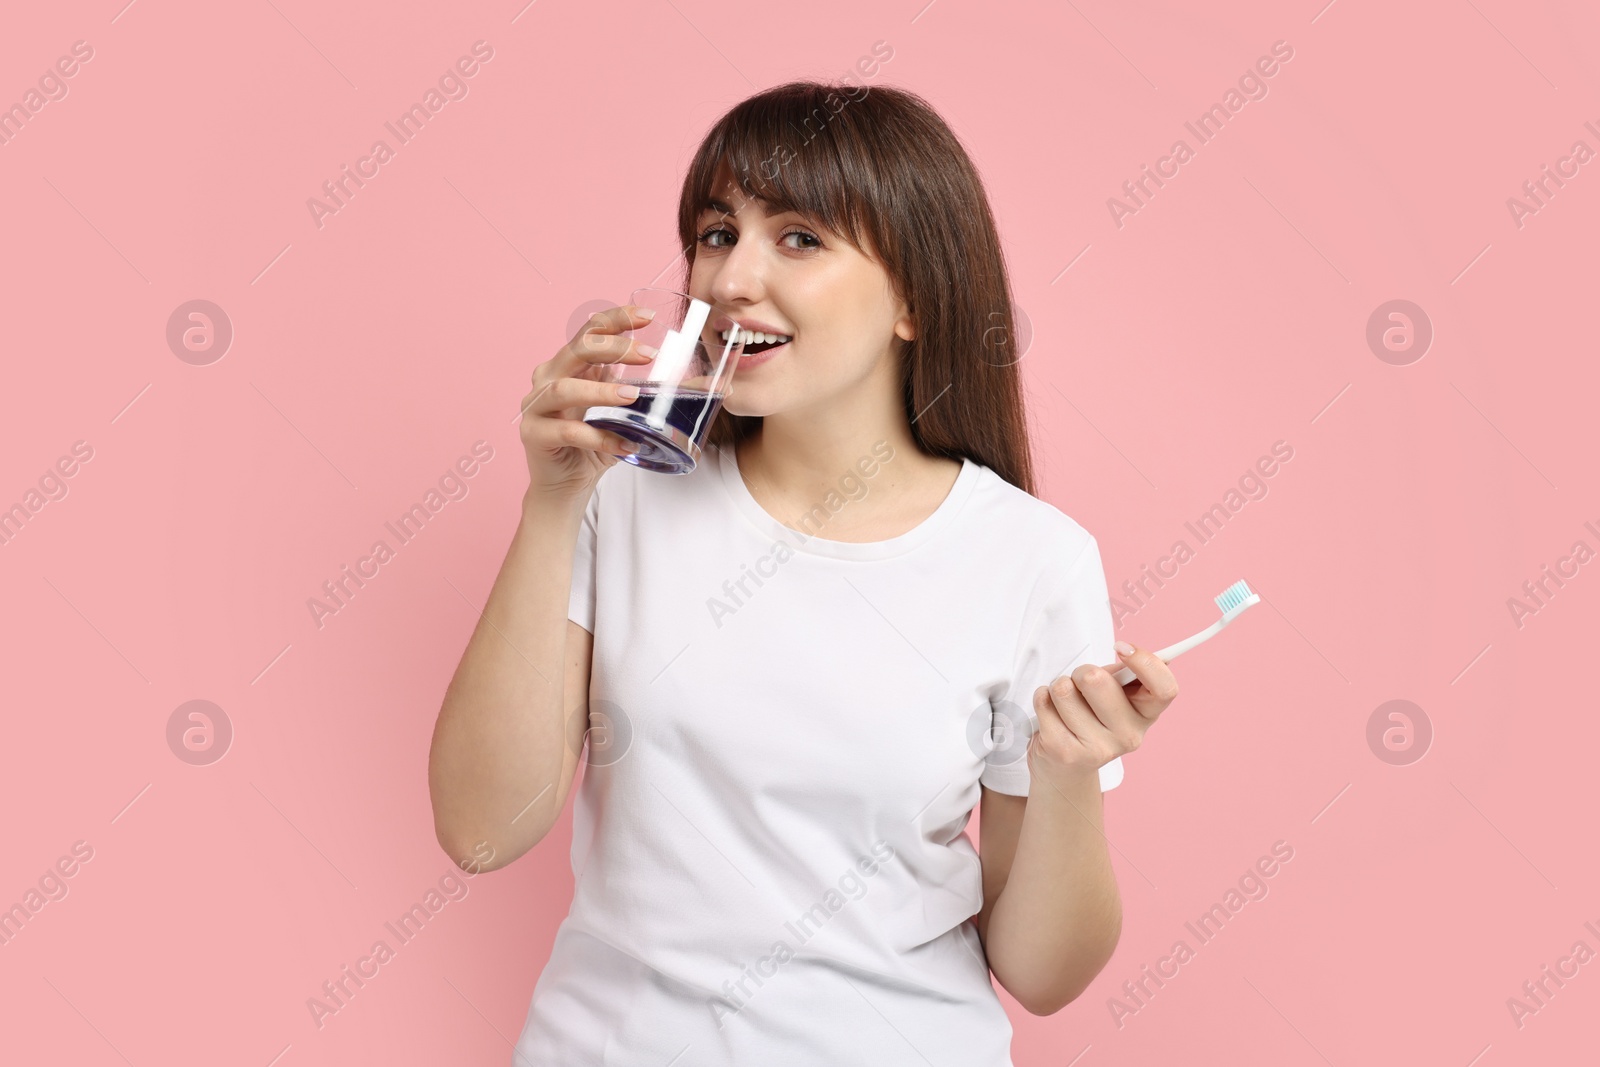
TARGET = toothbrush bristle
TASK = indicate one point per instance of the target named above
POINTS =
(1233, 596)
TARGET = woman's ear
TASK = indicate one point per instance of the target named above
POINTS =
(905, 328)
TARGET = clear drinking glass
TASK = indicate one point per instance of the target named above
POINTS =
(680, 390)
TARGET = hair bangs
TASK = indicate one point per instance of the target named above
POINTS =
(764, 146)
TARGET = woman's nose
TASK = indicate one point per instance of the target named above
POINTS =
(739, 277)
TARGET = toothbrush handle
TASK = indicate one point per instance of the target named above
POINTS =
(1172, 652)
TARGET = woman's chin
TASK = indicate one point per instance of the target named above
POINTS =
(748, 404)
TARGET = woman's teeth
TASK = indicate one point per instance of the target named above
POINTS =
(756, 337)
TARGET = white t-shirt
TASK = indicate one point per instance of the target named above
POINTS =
(788, 734)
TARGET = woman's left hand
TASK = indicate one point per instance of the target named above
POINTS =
(1086, 719)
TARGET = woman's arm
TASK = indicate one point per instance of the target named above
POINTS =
(1051, 913)
(506, 745)
(510, 730)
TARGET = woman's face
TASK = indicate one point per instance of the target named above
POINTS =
(783, 274)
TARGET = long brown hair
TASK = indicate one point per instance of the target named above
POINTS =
(885, 164)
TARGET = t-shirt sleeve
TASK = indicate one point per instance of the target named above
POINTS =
(581, 601)
(1067, 622)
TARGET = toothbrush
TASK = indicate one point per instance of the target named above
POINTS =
(1233, 601)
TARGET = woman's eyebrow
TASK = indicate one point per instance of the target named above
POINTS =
(767, 209)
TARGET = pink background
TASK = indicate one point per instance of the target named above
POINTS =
(369, 354)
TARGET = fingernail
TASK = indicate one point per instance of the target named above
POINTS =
(646, 313)
(627, 392)
(648, 350)
(1123, 648)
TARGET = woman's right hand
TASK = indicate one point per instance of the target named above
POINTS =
(566, 455)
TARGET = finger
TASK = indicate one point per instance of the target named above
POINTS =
(565, 394)
(1109, 704)
(575, 433)
(617, 445)
(614, 320)
(594, 348)
(602, 357)
(567, 399)
(1064, 707)
(1154, 687)
(600, 339)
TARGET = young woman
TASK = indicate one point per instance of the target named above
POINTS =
(802, 665)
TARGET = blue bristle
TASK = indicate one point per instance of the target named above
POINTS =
(1233, 596)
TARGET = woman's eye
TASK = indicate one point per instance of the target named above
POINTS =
(706, 238)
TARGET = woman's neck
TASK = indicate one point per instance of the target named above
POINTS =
(900, 491)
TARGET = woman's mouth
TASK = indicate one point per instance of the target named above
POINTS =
(759, 347)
